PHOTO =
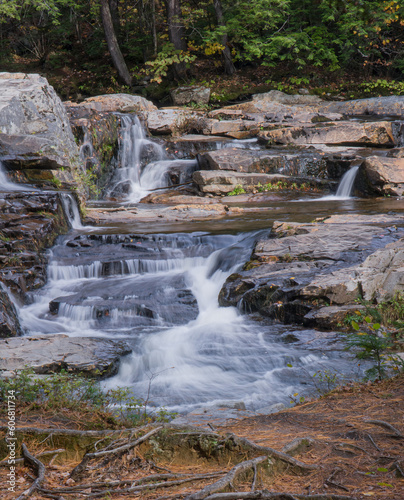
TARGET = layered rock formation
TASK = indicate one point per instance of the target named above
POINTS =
(313, 274)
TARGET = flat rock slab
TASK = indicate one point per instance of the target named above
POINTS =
(117, 103)
(342, 133)
(221, 182)
(90, 357)
(301, 161)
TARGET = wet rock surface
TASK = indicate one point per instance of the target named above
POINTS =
(9, 324)
(91, 357)
(97, 133)
(303, 268)
(29, 223)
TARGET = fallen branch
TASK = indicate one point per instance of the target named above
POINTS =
(273, 453)
(386, 425)
(39, 469)
(4, 463)
(89, 456)
(227, 479)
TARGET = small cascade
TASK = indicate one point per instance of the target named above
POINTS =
(143, 165)
(345, 186)
(5, 183)
(71, 210)
(86, 150)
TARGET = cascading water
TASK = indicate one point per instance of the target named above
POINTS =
(347, 181)
(71, 210)
(160, 293)
(142, 165)
(5, 183)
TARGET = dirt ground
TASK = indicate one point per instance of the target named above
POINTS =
(355, 437)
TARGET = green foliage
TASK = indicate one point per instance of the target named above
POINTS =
(165, 59)
(383, 87)
(281, 185)
(237, 190)
(376, 345)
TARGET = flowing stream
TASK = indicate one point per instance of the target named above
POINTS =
(160, 293)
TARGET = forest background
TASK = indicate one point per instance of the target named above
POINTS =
(351, 48)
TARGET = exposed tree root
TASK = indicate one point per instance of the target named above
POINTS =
(80, 468)
(386, 425)
(38, 467)
(273, 453)
(227, 479)
(5, 463)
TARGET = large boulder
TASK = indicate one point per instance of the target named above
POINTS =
(185, 95)
(35, 130)
(381, 176)
(172, 121)
(91, 357)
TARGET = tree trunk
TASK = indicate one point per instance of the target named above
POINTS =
(176, 33)
(113, 8)
(229, 68)
(113, 46)
(153, 27)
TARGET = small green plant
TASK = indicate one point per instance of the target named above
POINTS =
(383, 87)
(373, 344)
(56, 182)
(296, 399)
(325, 381)
(237, 190)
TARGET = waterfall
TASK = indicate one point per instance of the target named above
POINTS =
(142, 164)
(5, 183)
(345, 186)
(71, 210)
